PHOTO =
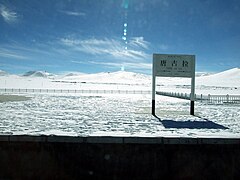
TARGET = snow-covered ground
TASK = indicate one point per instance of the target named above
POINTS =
(118, 114)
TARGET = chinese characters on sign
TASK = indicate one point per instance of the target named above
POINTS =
(173, 65)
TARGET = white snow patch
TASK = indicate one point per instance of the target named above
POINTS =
(118, 115)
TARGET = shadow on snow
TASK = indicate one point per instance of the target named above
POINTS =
(189, 124)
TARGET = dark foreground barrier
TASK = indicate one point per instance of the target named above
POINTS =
(53, 157)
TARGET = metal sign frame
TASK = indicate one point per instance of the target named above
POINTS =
(173, 65)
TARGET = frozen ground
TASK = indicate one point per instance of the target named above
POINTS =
(115, 114)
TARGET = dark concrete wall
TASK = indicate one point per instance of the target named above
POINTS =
(104, 158)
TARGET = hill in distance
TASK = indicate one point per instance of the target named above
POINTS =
(123, 77)
(228, 78)
(38, 74)
(3, 73)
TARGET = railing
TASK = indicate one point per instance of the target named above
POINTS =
(212, 99)
(235, 99)
(13, 90)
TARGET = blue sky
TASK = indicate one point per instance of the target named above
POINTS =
(108, 35)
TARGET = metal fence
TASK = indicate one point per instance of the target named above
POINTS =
(12, 90)
(211, 99)
(233, 99)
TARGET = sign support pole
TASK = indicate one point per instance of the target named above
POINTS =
(192, 97)
(192, 108)
(153, 93)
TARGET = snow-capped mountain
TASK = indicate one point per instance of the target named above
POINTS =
(74, 74)
(3, 73)
(38, 74)
(121, 77)
(226, 80)
(231, 73)
(229, 78)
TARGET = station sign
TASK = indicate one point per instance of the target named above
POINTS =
(168, 65)
(173, 65)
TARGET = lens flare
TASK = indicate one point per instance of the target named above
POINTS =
(125, 5)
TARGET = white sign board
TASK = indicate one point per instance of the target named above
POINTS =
(170, 65)
(173, 65)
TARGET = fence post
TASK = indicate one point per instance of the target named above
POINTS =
(227, 98)
(209, 97)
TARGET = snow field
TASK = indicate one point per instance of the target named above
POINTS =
(113, 115)
(118, 114)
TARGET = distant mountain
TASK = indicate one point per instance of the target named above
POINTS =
(231, 73)
(74, 74)
(228, 74)
(226, 78)
(122, 77)
(38, 74)
(3, 73)
(199, 74)
(230, 77)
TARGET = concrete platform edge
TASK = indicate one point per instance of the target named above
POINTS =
(117, 140)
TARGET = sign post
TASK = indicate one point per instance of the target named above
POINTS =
(173, 65)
